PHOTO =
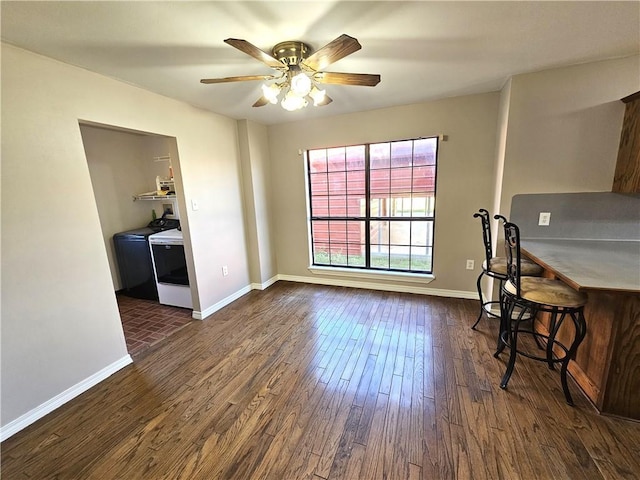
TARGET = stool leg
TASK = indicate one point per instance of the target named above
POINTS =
(513, 338)
(581, 331)
(506, 310)
(553, 329)
(479, 287)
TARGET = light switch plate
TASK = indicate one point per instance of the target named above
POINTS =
(194, 204)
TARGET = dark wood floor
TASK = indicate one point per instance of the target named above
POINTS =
(315, 382)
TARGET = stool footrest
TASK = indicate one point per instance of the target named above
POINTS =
(555, 359)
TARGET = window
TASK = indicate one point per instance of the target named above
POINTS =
(372, 206)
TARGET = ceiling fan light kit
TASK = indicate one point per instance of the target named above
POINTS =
(299, 71)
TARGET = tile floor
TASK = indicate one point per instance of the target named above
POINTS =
(146, 322)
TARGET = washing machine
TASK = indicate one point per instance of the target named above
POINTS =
(134, 258)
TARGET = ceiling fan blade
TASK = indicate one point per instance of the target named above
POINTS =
(255, 52)
(332, 52)
(243, 78)
(359, 79)
(261, 102)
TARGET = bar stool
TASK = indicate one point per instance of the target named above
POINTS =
(495, 267)
(539, 295)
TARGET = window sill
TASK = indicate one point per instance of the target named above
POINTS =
(373, 275)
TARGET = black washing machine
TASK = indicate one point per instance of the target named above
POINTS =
(134, 258)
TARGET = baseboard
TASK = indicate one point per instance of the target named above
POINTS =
(438, 292)
(264, 285)
(201, 315)
(50, 405)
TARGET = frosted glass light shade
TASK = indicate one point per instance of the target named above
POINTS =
(301, 84)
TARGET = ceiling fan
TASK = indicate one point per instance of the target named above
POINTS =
(299, 70)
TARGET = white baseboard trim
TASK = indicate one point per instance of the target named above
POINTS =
(201, 315)
(438, 292)
(264, 285)
(50, 405)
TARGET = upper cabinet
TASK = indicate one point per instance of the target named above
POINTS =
(627, 176)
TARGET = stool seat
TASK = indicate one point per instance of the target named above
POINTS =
(546, 291)
(498, 265)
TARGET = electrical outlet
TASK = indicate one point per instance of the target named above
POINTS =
(225, 271)
(544, 219)
(470, 264)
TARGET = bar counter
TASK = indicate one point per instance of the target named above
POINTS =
(589, 264)
(607, 365)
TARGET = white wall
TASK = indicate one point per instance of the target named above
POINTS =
(564, 128)
(464, 177)
(60, 323)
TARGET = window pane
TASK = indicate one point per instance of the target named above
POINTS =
(355, 157)
(337, 183)
(421, 232)
(318, 183)
(320, 206)
(380, 181)
(399, 260)
(379, 257)
(336, 159)
(355, 207)
(355, 232)
(321, 253)
(317, 160)
(401, 154)
(338, 206)
(356, 253)
(379, 232)
(379, 155)
(424, 151)
(401, 180)
(399, 233)
(355, 182)
(419, 206)
(338, 254)
(320, 231)
(424, 179)
(338, 231)
(421, 259)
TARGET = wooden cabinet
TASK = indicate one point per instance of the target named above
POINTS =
(627, 175)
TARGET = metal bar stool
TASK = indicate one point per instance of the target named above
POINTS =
(495, 267)
(540, 295)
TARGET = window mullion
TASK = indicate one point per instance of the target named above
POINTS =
(367, 208)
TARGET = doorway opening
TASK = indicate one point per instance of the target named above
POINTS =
(137, 188)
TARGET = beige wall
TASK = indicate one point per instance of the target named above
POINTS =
(254, 149)
(564, 128)
(464, 177)
(60, 323)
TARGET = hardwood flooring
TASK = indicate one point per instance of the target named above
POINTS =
(313, 382)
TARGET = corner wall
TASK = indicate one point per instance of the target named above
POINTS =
(60, 323)
(564, 128)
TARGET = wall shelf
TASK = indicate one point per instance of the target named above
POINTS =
(154, 197)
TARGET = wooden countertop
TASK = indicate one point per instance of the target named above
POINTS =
(589, 264)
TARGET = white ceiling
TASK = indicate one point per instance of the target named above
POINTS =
(422, 50)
